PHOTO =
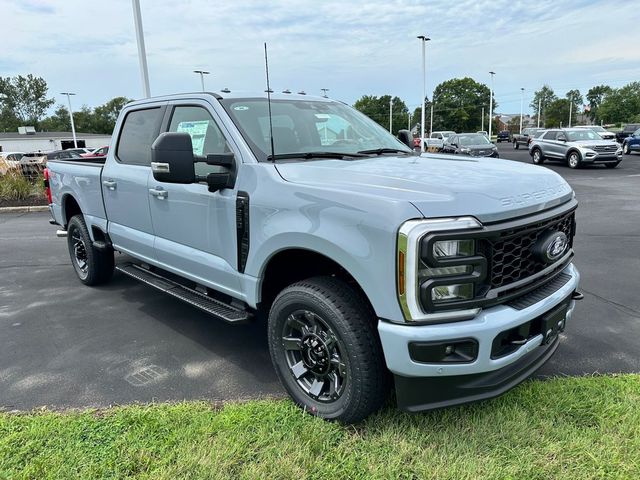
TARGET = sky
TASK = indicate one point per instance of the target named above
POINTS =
(353, 48)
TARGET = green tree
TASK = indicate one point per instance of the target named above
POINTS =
(58, 122)
(595, 97)
(458, 104)
(575, 97)
(26, 97)
(621, 104)
(557, 113)
(542, 97)
(377, 108)
(105, 116)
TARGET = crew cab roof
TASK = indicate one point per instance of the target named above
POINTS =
(230, 95)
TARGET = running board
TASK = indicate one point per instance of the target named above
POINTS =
(199, 300)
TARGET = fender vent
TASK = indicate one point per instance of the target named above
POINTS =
(242, 229)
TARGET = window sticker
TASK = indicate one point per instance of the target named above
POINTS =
(198, 132)
(241, 108)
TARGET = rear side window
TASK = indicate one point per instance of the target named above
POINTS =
(550, 135)
(139, 130)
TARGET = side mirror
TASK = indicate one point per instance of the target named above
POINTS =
(172, 158)
(562, 139)
(405, 137)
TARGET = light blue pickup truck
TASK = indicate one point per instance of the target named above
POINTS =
(447, 278)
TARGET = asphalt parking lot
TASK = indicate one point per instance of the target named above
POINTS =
(66, 345)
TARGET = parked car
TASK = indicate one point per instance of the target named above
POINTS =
(503, 136)
(627, 131)
(80, 151)
(575, 146)
(98, 152)
(472, 144)
(605, 134)
(525, 137)
(442, 135)
(632, 143)
(9, 161)
(483, 132)
(363, 257)
(63, 154)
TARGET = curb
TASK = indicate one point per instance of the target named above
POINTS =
(36, 208)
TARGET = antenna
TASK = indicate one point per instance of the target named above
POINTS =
(266, 66)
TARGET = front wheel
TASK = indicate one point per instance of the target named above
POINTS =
(574, 160)
(326, 351)
(516, 145)
(537, 157)
(626, 149)
(92, 266)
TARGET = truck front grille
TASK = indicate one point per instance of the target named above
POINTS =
(605, 148)
(511, 256)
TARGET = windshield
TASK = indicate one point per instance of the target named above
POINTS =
(474, 139)
(576, 135)
(305, 126)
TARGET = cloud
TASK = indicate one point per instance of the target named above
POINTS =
(351, 47)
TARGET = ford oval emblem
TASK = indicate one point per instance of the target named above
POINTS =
(551, 246)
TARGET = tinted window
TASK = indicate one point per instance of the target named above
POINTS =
(139, 130)
(206, 136)
(550, 135)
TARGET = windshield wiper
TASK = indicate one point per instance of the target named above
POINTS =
(310, 155)
(380, 151)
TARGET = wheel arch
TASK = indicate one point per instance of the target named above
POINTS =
(70, 207)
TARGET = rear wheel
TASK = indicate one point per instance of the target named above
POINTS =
(516, 145)
(537, 156)
(326, 351)
(573, 160)
(626, 149)
(92, 266)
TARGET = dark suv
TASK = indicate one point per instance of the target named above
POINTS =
(627, 131)
(504, 136)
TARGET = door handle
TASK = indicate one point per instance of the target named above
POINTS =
(110, 184)
(160, 193)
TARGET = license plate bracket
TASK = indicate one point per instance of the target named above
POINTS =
(553, 322)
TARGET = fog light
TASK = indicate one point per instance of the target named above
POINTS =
(446, 293)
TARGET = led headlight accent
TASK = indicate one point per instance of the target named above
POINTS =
(453, 248)
(447, 293)
(444, 271)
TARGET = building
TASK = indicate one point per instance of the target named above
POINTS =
(28, 140)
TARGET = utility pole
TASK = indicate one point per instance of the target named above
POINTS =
(521, 108)
(409, 124)
(73, 127)
(431, 121)
(539, 108)
(570, 110)
(202, 74)
(482, 121)
(324, 92)
(391, 116)
(423, 40)
(491, 105)
(142, 53)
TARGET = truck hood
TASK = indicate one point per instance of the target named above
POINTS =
(441, 185)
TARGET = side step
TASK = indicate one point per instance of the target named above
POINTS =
(199, 300)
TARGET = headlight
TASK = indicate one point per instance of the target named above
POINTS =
(435, 273)
(465, 150)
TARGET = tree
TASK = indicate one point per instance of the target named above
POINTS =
(595, 97)
(621, 104)
(542, 97)
(557, 113)
(377, 108)
(458, 104)
(26, 98)
(575, 97)
(105, 116)
(58, 122)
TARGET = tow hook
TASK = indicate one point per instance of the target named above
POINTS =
(576, 295)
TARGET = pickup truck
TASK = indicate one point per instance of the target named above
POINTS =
(448, 277)
(627, 131)
(525, 137)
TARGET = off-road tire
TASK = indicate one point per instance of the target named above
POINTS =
(350, 319)
(96, 266)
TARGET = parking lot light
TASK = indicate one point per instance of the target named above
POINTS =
(423, 40)
(521, 108)
(491, 105)
(202, 74)
(73, 127)
(142, 53)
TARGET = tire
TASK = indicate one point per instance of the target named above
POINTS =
(332, 365)
(516, 145)
(537, 157)
(92, 266)
(626, 149)
(612, 165)
(573, 160)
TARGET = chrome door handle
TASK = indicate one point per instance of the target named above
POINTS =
(110, 184)
(159, 193)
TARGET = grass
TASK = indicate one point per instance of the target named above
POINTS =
(15, 186)
(574, 428)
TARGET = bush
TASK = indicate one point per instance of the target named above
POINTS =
(13, 186)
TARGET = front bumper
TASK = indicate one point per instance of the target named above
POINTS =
(421, 386)
(595, 157)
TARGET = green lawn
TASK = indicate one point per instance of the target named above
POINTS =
(574, 428)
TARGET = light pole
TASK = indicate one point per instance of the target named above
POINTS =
(521, 108)
(491, 105)
(409, 123)
(142, 53)
(391, 115)
(539, 108)
(73, 127)
(202, 74)
(324, 92)
(482, 120)
(423, 40)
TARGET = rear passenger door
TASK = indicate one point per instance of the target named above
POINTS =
(550, 144)
(125, 180)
